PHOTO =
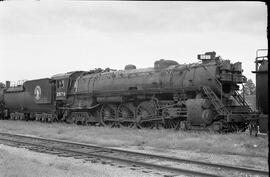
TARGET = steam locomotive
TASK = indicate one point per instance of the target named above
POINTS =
(169, 95)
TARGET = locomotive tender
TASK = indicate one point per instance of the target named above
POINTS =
(169, 95)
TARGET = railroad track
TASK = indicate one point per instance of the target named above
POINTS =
(136, 160)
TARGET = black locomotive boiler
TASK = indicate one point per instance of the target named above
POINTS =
(168, 95)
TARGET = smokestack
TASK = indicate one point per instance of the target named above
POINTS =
(7, 84)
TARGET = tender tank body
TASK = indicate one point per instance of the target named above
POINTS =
(39, 95)
(32, 96)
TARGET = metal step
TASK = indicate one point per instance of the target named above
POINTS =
(219, 106)
(242, 101)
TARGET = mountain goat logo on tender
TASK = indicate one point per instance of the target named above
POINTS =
(37, 92)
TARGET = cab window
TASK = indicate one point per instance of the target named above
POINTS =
(60, 84)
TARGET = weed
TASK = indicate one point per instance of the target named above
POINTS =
(232, 143)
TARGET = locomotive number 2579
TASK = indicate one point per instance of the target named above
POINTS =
(60, 93)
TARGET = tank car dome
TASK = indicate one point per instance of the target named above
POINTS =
(130, 67)
(264, 66)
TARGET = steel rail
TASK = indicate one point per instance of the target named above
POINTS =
(160, 157)
(132, 162)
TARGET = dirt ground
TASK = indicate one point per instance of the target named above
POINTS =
(232, 149)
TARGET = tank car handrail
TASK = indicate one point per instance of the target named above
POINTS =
(258, 50)
(17, 83)
(257, 57)
(263, 57)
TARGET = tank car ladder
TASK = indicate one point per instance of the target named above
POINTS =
(220, 107)
(242, 101)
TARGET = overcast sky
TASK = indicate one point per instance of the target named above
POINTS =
(40, 39)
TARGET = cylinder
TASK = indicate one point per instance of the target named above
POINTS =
(197, 114)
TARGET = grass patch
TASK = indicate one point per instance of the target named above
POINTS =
(233, 143)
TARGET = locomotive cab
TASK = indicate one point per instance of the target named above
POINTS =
(64, 84)
(61, 83)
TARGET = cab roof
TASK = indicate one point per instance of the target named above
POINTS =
(64, 75)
